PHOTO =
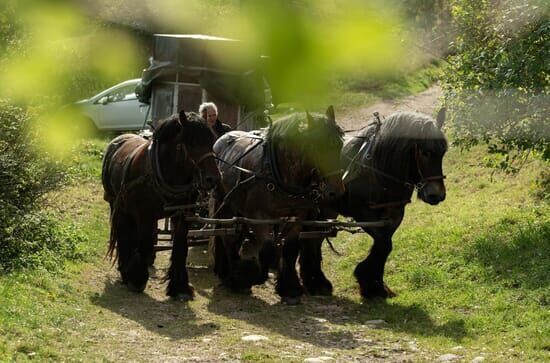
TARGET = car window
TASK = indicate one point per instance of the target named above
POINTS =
(125, 93)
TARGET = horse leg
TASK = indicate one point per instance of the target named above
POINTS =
(313, 278)
(137, 272)
(245, 272)
(178, 280)
(370, 272)
(288, 285)
(219, 254)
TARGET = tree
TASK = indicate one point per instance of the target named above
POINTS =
(498, 83)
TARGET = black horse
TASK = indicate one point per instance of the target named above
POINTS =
(384, 163)
(140, 178)
(282, 172)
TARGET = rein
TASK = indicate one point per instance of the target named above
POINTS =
(274, 180)
(407, 184)
(367, 146)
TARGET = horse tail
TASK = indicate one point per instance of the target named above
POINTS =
(109, 193)
(111, 251)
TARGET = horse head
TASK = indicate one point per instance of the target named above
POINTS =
(309, 150)
(185, 147)
(428, 157)
(409, 150)
(326, 140)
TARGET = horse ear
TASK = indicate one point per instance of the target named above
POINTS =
(330, 114)
(168, 129)
(309, 120)
(183, 116)
(440, 120)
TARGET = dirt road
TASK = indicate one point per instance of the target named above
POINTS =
(426, 102)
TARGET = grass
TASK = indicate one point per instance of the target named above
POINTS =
(472, 271)
(471, 274)
(361, 91)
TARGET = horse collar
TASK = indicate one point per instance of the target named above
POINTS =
(159, 184)
(271, 161)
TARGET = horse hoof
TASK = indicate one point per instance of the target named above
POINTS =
(291, 300)
(389, 292)
(183, 297)
(133, 288)
(322, 292)
(319, 291)
(383, 292)
(242, 290)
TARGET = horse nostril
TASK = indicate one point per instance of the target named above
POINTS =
(435, 198)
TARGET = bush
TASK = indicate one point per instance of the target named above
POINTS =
(37, 239)
(28, 237)
(498, 87)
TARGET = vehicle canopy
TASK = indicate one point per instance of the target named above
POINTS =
(186, 70)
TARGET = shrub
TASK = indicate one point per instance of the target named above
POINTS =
(498, 87)
(28, 236)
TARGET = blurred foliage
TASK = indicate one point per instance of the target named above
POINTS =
(28, 236)
(55, 53)
(308, 42)
(499, 84)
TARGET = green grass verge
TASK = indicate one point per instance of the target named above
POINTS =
(472, 271)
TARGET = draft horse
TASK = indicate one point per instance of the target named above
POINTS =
(384, 164)
(284, 171)
(140, 178)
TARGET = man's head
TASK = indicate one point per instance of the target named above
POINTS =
(209, 112)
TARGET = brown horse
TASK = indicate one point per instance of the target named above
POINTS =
(282, 172)
(140, 178)
(384, 163)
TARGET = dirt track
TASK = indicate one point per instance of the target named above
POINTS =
(426, 102)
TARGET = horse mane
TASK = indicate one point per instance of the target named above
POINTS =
(295, 127)
(398, 134)
(167, 128)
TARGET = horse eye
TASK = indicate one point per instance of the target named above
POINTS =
(426, 153)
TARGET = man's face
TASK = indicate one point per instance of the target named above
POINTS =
(210, 116)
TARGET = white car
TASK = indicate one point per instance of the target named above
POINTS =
(116, 109)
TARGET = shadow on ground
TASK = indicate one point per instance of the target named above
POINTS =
(349, 320)
(166, 317)
(321, 321)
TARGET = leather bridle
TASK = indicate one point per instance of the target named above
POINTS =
(423, 180)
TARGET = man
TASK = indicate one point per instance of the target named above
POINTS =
(209, 112)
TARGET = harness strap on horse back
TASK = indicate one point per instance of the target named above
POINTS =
(124, 186)
(366, 146)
